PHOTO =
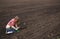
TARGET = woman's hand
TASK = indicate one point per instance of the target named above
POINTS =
(17, 28)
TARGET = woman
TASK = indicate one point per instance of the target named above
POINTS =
(12, 25)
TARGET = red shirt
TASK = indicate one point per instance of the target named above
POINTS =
(12, 22)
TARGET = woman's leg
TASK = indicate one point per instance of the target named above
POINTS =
(9, 30)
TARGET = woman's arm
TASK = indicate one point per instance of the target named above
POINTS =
(16, 25)
(13, 27)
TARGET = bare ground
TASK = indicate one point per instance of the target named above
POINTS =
(42, 19)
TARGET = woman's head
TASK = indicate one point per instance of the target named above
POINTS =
(16, 17)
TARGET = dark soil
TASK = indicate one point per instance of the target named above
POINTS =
(42, 18)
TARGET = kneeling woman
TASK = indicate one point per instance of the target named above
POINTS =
(12, 25)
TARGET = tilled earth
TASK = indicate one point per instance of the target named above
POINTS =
(42, 19)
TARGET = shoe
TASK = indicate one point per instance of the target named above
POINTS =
(9, 32)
